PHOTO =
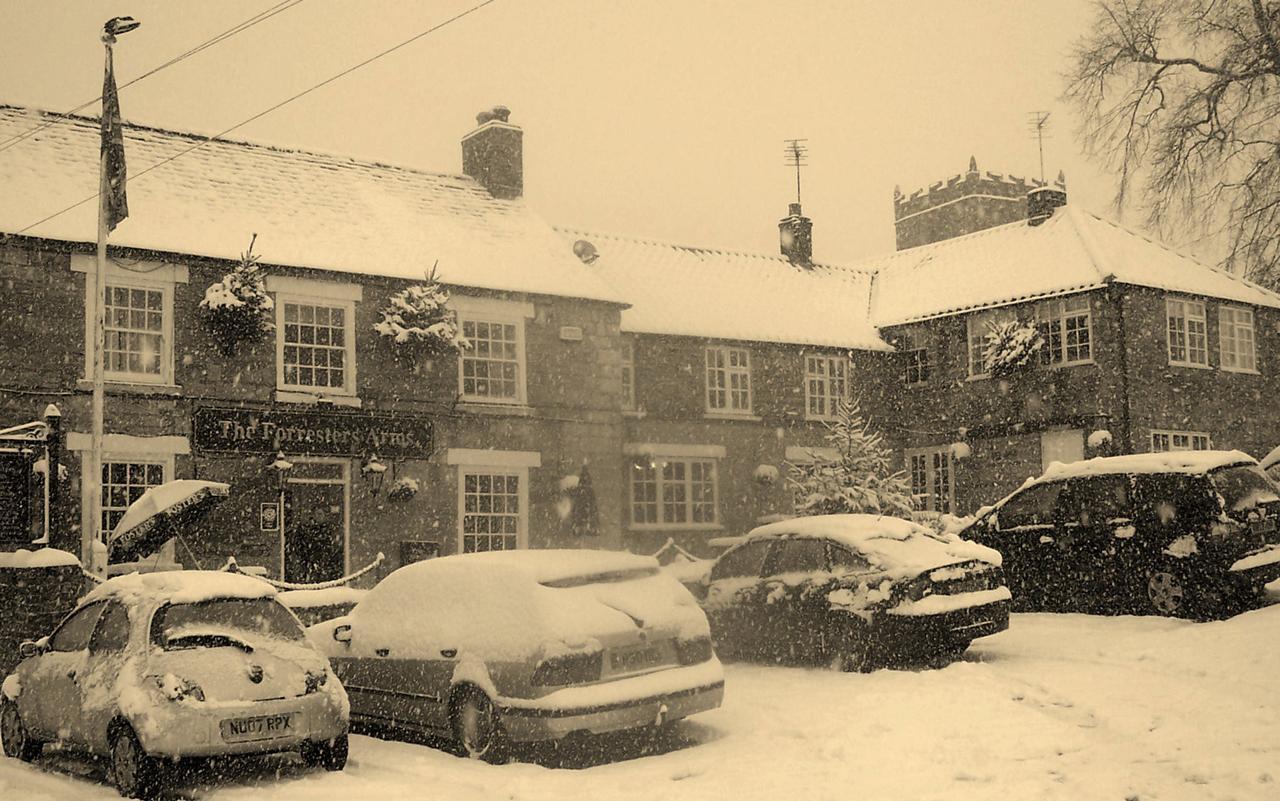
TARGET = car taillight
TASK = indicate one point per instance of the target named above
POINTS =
(565, 669)
(315, 681)
(693, 652)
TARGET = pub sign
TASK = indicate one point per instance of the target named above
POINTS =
(311, 432)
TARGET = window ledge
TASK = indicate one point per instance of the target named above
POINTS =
(754, 418)
(502, 409)
(132, 388)
(1240, 371)
(313, 399)
(1191, 365)
(638, 414)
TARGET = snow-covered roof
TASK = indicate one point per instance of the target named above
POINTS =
(891, 541)
(182, 586)
(1073, 251)
(725, 294)
(308, 209)
(1189, 462)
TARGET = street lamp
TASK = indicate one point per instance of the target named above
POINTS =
(373, 471)
(282, 466)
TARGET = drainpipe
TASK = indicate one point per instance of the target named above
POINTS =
(1127, 433)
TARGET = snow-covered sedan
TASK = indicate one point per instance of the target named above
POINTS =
(854, 592)
(492, 648)
(151, 668)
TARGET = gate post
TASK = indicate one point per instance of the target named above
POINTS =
(58, 535)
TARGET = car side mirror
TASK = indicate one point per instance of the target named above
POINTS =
(29, 649)
(342, 633)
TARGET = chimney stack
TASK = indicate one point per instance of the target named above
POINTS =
(795, 235)
(493, 154)
(1042, 200)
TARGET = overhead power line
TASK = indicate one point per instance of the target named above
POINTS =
(266, 111)
(261, 16)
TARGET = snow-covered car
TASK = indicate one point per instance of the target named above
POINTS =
(1186, 533)
(854, 592)
(151, 668)
(516, 646)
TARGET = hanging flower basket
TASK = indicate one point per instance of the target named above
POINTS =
(418, 324)
(1012, 347)
(403, 489)
(238, 309)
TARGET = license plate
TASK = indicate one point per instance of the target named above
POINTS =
(260, 727)
(626, 660)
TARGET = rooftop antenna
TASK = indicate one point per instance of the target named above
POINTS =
(1038, 124)
(797, 156)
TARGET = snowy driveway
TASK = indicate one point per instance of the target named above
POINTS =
(1058, 707)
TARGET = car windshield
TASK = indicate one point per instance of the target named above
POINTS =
(1243, 487)
(610, 577)
(263, 617)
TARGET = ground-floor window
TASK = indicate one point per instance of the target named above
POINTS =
(932, 481)
(1179, 441)
(674, 491)
(492, 510)
(123, 482)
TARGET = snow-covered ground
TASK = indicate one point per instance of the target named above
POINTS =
(1058, 707)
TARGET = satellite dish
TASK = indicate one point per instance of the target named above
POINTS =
(585, 251)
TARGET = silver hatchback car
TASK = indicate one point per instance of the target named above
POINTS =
(151, 668)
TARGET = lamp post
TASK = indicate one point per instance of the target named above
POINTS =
(374, 471)
(282, 466)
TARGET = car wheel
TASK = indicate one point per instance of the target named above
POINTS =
(18, 742)
(851, 651)
(1167, 592)
(327, 754)
(477, 729)
(136, 774)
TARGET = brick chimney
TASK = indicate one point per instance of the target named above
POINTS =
(1042, 200)
(493, 154)
(795, 236)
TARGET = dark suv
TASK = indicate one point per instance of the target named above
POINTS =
(1188, 534)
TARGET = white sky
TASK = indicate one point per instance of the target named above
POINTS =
(661, 119)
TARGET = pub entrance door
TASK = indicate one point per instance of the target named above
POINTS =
(316, 520)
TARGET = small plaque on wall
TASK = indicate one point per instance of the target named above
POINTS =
(571, 333)
(269, 517)
(417, 550)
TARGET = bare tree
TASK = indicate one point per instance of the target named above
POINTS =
(1182, 99)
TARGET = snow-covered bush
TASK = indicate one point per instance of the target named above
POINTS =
(860, 479)
(765, 474)
(961, 450)
(402, 489)
(418, 321)
(238, 308)
(1099, 439)
(1012, 347)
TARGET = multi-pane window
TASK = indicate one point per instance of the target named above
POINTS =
(122, 484)
(1179, 441)
(931, 480)
(1066, 326)
(491, 511)
(1235, 336)
(979, 326)
(491, 366)
(133, 334)
(916, 352)
(1188, 337)
(673, 492)
(628, 375)
(729, 380)
(826, 383)
(314, 346)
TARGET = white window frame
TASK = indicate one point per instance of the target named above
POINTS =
(1160, 437)
(925, 462)
(473, 461)
(1055, 314)
(628, 373)
(1237, 339)
(911, 343)
(1192, 314)
(308, 292)
(654, 457)
(833, 388)
(502, 312)
(741, 371)
(976, 341)
(146, 275)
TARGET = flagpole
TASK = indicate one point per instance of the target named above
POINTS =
(93, 532)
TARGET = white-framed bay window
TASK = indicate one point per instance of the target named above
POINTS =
(826, 383)
(493, 498)
(728, 386)
(315, 339)
(1163, 440)
(1236, 340)
(137, 303)
(674, 486)
(492, 369)
(1187, 332)
(932, 478)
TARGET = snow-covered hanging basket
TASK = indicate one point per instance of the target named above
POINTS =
(237, 308)
(417, 322)
(403, 489)
(1012, 347)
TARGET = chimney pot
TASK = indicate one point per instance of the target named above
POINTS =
(1041, 203)
(493, 154)
(795, 236)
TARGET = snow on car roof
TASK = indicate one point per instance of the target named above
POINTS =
(182, 586)
(894, 542)
(546, 566)
(1271, 459)
(1189, 462)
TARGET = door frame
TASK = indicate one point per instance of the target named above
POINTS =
(345, 481)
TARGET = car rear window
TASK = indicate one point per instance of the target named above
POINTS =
(264, 617)
(1243, 487)
(609, 577)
